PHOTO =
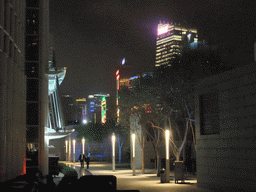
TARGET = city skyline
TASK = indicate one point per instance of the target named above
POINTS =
(92, 38)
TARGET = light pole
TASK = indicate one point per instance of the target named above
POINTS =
(74, 150)
(83, 142)
(167, 138)
(113, 151)
(133, 153)
(66, 150)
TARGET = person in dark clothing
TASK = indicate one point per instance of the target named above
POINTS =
(87, 159)
(82, 159)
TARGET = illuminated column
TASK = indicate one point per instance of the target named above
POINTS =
(69, 149)
(56, 118)
(167, 139)
(83, 143)
(74, 150)
(133, 153)
(113, 151)
(66, 150)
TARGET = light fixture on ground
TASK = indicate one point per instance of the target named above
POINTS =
(167, 138)
(113, 151)
(74, 150)
(83, 143)
(66, 150)
(133, 153)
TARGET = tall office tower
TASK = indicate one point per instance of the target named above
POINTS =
(171, 38)
(123, 74)
(69, 109)
(110, 108)
(36, 65)
(95, 107)
(12, 90)
(81, 112)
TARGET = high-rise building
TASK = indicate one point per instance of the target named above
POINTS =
(24, 49)
(123, 74)
(36, 65)
(81, 112)
(95, 108)
(171, 38)
(12, 90)
(69, 109)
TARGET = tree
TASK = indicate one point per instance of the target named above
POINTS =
(93, 132)
(112, 127)
(138, 106)
(156, 107)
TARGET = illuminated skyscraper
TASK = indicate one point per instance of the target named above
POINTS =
(96, 111)
(123, 74)
(171, 38)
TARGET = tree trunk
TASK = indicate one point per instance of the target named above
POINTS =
(101, 146)
(120, 149)
(157, 163)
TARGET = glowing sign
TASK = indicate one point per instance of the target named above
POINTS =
(134, 77)
(81, 100)
(163, 29)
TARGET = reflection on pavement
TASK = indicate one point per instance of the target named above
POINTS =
(80, 171)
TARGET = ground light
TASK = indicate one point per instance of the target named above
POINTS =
(66, 150)
(83, 143)
(133, 153)
(74, 150)
(113, 151)
(167, 137)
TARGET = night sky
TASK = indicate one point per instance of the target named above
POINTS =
(91, 36)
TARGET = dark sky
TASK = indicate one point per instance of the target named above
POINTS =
(91, 36)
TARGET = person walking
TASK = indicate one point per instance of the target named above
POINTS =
(82, 159)
(87, 159)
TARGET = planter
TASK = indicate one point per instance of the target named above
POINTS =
(179, 169)
(53, 165)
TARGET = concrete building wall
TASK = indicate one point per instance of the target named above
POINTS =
(226, 148)
(43, 89)
(12, 90)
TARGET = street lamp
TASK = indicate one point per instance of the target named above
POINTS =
(83, 142)
(84, 121)
(133, 153)
(74, 150)
(113, 151)
(66, 150)
(167, 139)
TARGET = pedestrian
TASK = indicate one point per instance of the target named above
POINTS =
(87, 159)
(82, 159)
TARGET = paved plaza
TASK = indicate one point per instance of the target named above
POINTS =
(143, 182)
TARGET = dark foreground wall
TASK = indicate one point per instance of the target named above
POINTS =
(226, 129)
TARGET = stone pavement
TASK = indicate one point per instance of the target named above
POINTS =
(143, 182)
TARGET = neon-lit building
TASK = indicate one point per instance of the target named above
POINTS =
(133, 81)
(171, 38)
(103, 110)
(96, 112)
(123, 75)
